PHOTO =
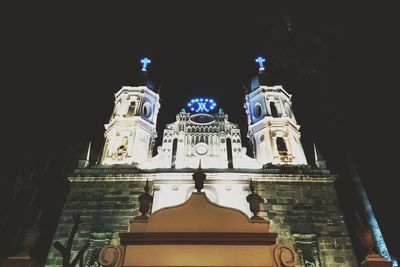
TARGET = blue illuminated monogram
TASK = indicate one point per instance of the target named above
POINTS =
(260, 60)
(145, 61)
(201, 104)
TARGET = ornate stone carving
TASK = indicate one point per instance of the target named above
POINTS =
(111, 256)
(284, 256)
(97, 241)
(306, 246)
(120, 153)
(254, 202)
(145, 200)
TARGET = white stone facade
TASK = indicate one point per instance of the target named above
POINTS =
(131, 132)
(206, 137)
(273, 129)
(210, 138)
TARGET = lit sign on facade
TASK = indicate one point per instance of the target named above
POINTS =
(201, 104)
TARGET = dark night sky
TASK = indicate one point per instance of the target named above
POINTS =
(62, 65)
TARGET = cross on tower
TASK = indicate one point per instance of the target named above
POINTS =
(145, 61)
(260, 60)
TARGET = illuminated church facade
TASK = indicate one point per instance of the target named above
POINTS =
(298, 197)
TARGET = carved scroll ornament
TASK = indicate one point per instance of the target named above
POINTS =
(111, 256)
(284, 256)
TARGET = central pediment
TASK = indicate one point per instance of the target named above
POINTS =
(199, 215)
(198, 233)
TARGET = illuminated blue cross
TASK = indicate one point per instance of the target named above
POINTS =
(260, 60)
(145, 61)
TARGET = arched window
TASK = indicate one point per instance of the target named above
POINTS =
(274, 111)
(229, 150)
(281, 145)
(174, 149)
(131, 110)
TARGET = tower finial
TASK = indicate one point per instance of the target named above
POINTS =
(145, 200)
(84, 163)
(319, 160)
(251, 186)
(146, 186)
(254, 201)
(260, 60)
(145, 62)
(88, 151)
(199, 177)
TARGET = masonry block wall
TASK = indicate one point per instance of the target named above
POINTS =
(307, 216)
(105, 209)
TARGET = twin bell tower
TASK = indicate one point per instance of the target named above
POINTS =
(202, 133)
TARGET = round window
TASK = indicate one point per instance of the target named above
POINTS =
(146, 110)
(201, 149)
(257, 110)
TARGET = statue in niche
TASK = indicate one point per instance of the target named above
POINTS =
(122, 151)
(97, 241)
(306, 246)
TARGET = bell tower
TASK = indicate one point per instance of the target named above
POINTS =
(131, 131)
(273, 129)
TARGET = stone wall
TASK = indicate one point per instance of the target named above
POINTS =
(307, 216)
(105, 209)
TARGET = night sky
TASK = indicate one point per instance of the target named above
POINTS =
(63, 64)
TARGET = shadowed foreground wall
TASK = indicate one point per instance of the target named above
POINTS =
(304, 212)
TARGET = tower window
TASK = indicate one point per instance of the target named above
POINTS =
(229, 149)
(146, 109)
(281, 145)
(131, 110)
(274, 111)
